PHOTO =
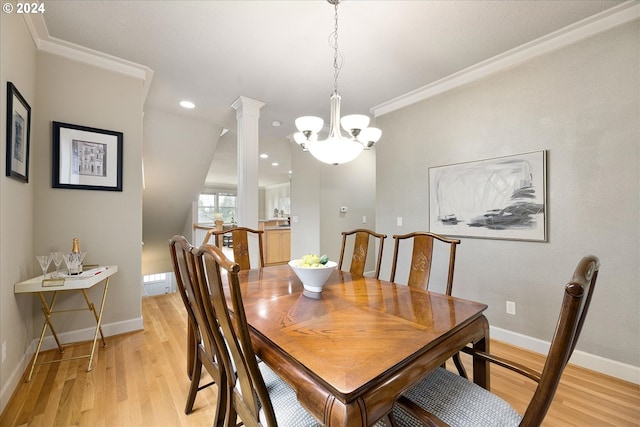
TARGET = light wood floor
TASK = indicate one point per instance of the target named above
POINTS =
(140, 380)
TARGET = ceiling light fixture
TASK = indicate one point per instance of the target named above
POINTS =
(336, 148)
(187, 104)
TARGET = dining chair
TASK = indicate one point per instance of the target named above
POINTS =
(256, 394)
(200, 349)
(420, 267)
(240, 245)
(446, 397)
(360, 249)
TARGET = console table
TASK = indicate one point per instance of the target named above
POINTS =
(80, 283)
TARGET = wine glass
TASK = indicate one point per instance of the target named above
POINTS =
(56, 257)
(68, 261)
(44, 261)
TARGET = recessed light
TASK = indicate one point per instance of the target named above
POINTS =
(187, 104)
(274, 164)
(264, 156)
(276, 123)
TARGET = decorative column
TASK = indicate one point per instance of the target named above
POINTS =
(247, 116)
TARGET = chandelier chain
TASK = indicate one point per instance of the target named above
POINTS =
(336, 68)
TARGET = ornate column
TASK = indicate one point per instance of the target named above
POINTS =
(247, 116)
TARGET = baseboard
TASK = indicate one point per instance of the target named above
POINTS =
(12, 382)
(49, 343)
(583, 359)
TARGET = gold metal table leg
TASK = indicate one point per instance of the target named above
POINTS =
(47, 309)
(98, 321)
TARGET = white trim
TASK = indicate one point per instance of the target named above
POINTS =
(611, 18)
(13, 381)
(583, 359)
(45, 43)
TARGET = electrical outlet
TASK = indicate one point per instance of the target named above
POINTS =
(4, 351)
(399, 221)
(511, 308)
(364, 219)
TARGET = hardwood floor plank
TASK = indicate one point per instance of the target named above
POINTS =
(140, 380)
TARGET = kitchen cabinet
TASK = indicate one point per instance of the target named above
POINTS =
(277, 243)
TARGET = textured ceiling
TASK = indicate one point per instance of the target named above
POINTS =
(278, 52)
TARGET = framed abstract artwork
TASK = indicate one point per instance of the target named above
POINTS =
(18, 134)
(498, 198)
(86, 158)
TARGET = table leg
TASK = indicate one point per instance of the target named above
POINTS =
(46, 309)
(481, 374)
(98, 321)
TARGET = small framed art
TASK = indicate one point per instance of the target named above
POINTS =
(86, 158)
(18, 134)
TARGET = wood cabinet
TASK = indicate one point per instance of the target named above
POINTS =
(277, 244)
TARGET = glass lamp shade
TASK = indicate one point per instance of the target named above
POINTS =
(300, 139)
(369, 136)
(354, 122)
(334, 150)
(309, 124)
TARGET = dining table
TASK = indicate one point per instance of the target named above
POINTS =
(352, 349)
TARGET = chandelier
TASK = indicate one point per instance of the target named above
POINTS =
(337, 148)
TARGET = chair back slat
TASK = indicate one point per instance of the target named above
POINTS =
(247, 390)
(422, 257)
(360, 250)
(240, 243)
(179, 247)
(575, 305)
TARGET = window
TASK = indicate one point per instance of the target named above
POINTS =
(152, 278)
(210, 204)
(206, 207)
(227, 207)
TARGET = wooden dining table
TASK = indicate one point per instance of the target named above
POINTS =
(351, 350)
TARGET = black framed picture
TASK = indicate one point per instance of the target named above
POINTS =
(18, 134)
(86, 158)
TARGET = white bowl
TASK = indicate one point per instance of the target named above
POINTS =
(313, 278)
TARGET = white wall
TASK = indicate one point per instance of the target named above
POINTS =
(317, 194)
(581, 103)
(107, 223)
(17, 257)
(37, 219)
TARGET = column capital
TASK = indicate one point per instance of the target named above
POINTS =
(247, 105)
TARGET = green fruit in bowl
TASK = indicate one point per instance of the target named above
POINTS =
(312, 261)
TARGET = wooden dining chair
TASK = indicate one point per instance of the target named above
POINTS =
(256, 394)
(240, 239)
(420, 267)
(360, 249)
(446, 397)
(200, 351)
(421, 257)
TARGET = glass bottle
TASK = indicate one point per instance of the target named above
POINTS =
(76, 246)
(75, 258)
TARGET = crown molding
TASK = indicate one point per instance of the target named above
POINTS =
(45, 43)
(611, 18)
